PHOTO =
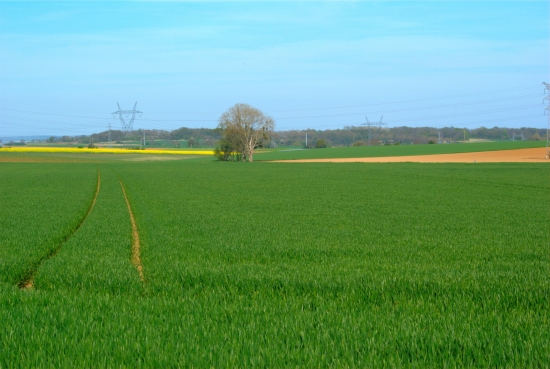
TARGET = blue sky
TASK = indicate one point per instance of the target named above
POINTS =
(327, 64)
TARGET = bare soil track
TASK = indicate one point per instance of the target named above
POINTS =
(28, 281)
(536, 155)
(136, 251)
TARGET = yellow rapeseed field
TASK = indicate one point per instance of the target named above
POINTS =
(105, 151)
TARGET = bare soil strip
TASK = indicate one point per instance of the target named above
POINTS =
(28, 281)
(536, 155)
(136, 252)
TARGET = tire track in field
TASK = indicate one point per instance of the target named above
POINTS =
(136, 250)
(28, 281)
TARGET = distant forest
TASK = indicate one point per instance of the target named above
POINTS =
(348, 136)
(357, 136)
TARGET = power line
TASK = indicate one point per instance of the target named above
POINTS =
(467, 124)
(11, 102)
(21, 121)
(401, 110)
(401, 102)
(328, 108)
(34, 131)
(55, 115)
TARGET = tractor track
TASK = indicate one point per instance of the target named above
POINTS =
(136, 249)
(27, 282)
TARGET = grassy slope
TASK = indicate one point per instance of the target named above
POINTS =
(382, 265)
(400, 150)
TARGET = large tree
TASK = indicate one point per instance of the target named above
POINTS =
(245, 127)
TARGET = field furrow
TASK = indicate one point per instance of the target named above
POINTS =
(28, 281)
(98, 257)
(42, 206)
(136, 251)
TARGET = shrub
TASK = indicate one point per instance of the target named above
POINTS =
(320, 144)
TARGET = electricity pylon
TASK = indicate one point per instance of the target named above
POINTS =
(547, 88)
(514, 136)
(127, 126)
(370, 125)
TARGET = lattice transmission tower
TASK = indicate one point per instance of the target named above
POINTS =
(547, 89)
(370, 125)
(519, 136)
(127, 126)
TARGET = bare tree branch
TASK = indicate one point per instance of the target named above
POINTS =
(245, 127)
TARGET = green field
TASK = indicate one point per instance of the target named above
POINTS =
(400, 150)
(274, 265)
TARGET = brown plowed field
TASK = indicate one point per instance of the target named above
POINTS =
(505, 156)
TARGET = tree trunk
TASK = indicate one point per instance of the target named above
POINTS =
(250, 152)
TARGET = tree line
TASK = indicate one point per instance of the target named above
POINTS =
(335, 137)
(358, 136)
(208, 136)
(243, 128)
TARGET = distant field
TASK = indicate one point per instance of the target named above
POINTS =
(532, 155)
(256, 264)
(74, 150)
(399, 150)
